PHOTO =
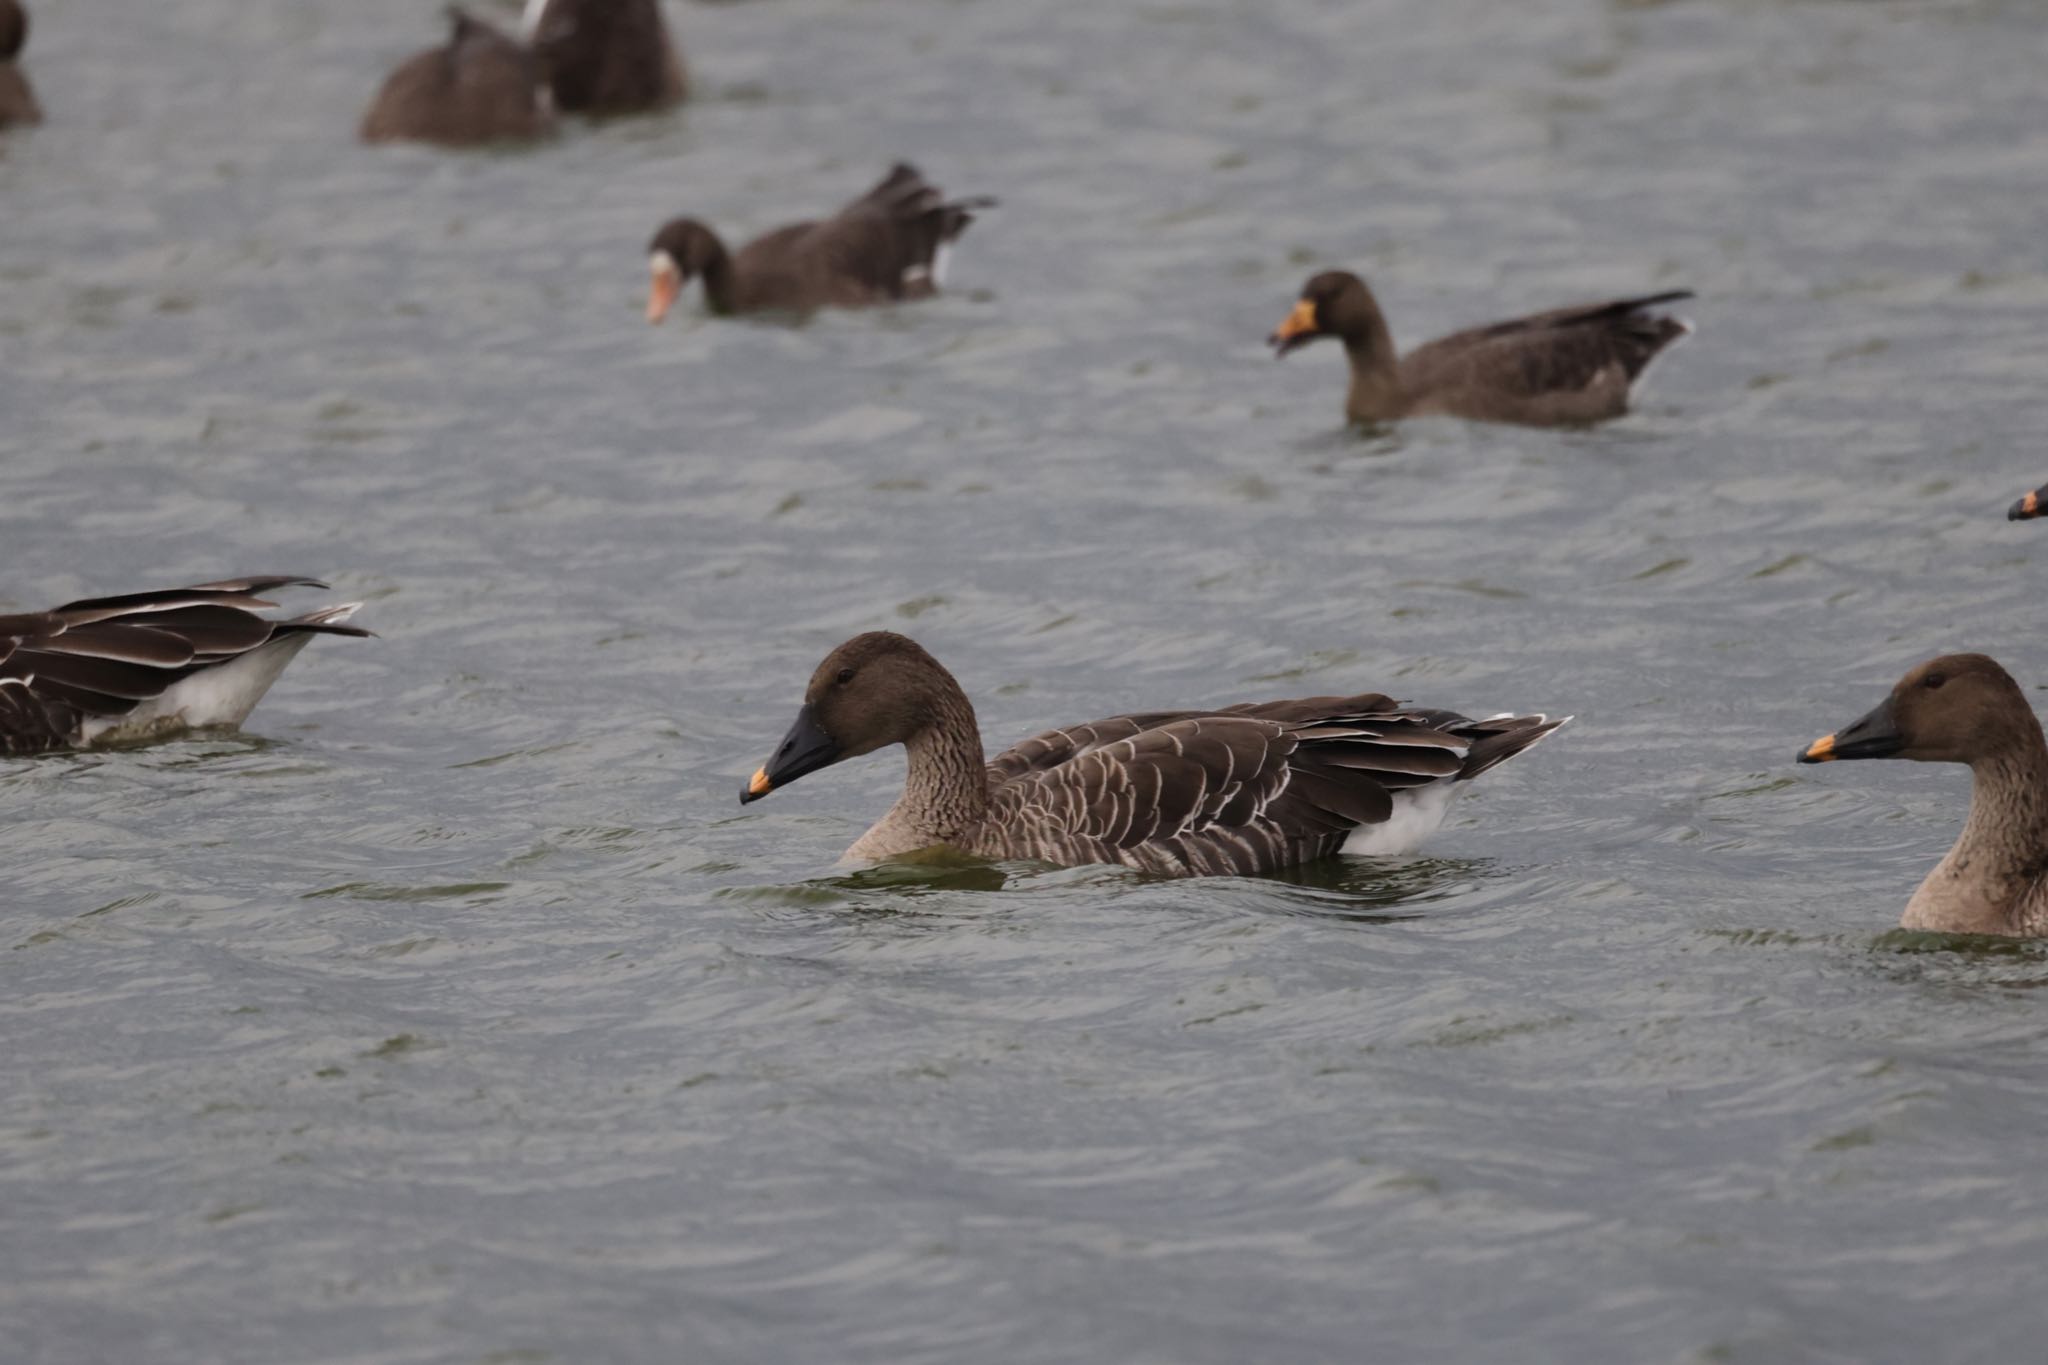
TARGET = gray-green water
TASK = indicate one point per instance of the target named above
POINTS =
(457, 1013)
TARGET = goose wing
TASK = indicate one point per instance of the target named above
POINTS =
(887, 242)
(1246, 789)
(1582, 361)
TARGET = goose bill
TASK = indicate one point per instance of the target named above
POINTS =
(1298, 330)
(805, 749)
(665, 283)
(2027, 508)
(1873, 736)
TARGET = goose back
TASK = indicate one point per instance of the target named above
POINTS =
(142, 663)
(605, 56)
(1565, 367)
(478, 87)
(1246, 789)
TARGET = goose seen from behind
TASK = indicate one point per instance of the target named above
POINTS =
(1964, 708)
(1231, 791)
(17, 101)
(478, 87)
(605, 56)
(1568, 367)
(147, 664)
(888, 245)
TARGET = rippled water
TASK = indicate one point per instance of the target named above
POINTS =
(457, 1012)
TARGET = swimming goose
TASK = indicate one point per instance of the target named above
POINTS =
(1240, 790)
(2032, 505)
(148, 663)
(604, 56)
(1562, 368)
(17, 101)
(479, 87)
(1964, 708)
(890, 244)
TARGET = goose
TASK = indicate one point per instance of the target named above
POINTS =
(479, 87)
(146, 664)
(604, 56)
(1234, 791)
(17, 100)
(2032, 505)
(1563, 368)
(1964, 708)
(890, 244)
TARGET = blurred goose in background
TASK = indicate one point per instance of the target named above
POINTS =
(1562, 368)
(888, 245)
(148, 663)
(479, 87)
(2032, 505)
(1240, 790)
(605, 56)
(1964, 708)
(17, 101)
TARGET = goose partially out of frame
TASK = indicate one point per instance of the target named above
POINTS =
(148, 664)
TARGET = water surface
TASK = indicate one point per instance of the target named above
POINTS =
(457, 1013)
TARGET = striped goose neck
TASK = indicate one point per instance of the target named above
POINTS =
(1990, 880)
(2008, 821)
(945, 793)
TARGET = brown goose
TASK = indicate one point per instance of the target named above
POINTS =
(479, 87)
(1562, 368)
(605, 56)
(890, 244)
(1241, 790)
(1964, 708)
(2032, 505)
(148, 663)
(17, 101)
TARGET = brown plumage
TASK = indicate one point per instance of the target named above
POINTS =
(148, 663)
(1964, 708)
(478, 87)
(17, 101)
(2032, 505)
(1561, 368)
(605, 56)
(1238, 790)
(886, 246)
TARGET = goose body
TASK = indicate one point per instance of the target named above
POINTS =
(150, 663)
(886, 246)
(17, 100)
(1232, 791)
(1965, 708)
(605, 56)
(478, 87)
(1567, 367)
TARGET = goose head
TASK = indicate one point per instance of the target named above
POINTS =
(1335, 303)
(1954, 709)
(875, 690)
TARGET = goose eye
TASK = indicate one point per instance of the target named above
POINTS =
(845, 677)
(1933, 680)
